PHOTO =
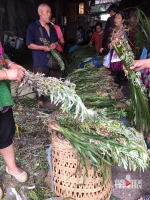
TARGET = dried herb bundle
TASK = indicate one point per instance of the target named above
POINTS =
(59, 91)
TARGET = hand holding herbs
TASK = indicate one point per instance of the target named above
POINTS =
(139, 113)
(55, 54)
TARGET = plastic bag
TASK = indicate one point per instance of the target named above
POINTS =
(95, 61)
(144, 54)
(106, 62)
(12, 194)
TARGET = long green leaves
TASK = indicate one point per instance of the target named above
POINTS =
(142, 38)
(140, 116)
(105, 142)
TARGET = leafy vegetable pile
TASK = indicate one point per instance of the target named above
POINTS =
(104, 141)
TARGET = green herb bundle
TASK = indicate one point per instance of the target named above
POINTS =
(104, 141)
(139, 113)
(57, 56)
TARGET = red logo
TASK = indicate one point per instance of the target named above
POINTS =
(128, 183)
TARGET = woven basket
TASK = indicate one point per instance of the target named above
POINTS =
(70, 184)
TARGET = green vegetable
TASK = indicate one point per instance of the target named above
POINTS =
(55, 54)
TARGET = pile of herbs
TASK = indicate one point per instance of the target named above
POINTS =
(103, 141)
(93, 133)
(60, 92)
(98, 91)
(75, 58)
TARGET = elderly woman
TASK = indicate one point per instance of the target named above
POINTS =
(8, 71)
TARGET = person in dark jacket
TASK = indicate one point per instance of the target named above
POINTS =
(113, 9)
(39, 51)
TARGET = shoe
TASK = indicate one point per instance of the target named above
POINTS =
(20, 177)
(51, 106)
(1, 193)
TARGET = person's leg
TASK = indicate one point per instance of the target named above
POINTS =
(9, 157)
(43, 70)
(1, 193)
(55, 73)
(7, 131)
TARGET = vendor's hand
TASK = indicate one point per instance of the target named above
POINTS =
(46, 48)
(141, 64)
(15, 74)
(53, 46)
(101, 49)
(90, 44)
(53, 125)
(125, 71)
(16, 66)
(126, 29)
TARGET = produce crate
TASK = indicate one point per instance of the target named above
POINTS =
(68, 182)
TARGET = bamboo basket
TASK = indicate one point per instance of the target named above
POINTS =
(67, 182)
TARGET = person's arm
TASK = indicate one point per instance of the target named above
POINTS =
(62, 41)
(60, 36)
(39, 47)
(11, 74)
(30, 40)
(13, 71)
(92, 40)
(106, 33)
(141, 64)
(10, 64)
(54, 39)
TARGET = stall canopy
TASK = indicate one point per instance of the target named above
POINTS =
(106, 1)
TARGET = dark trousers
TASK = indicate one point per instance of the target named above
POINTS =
(7, 128)
(49, 72)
